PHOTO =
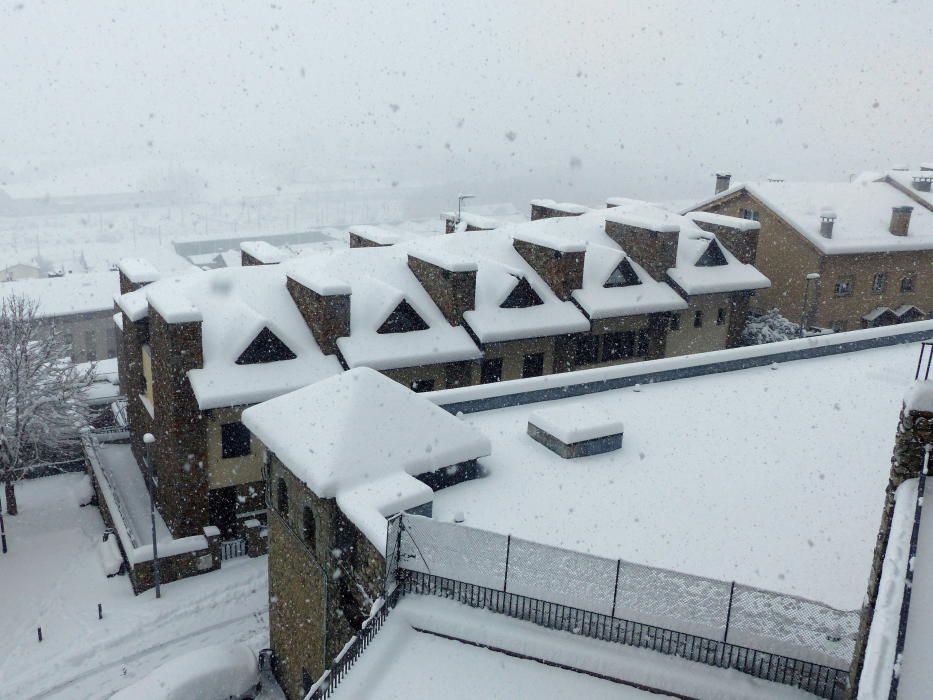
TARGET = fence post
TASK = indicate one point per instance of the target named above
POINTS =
(508, 550)
(615, 590)
(725, 636)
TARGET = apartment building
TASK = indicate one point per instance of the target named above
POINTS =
(840, 255)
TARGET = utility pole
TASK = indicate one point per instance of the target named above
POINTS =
(148, 439)
(460, 198)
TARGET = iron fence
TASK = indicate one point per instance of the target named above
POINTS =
(823, 681)
(231, 549)
(768, 634)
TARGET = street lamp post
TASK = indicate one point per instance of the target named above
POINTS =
(460, 198)
(811, 277)
(148, 439)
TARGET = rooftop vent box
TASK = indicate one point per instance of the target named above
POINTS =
(575, 430)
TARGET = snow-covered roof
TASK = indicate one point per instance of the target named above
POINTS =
(499, 270)
(235, 305)
(906, 180)
(566, 207)
(379, 280)
(90, 292)
(796, 522)
(862, 208)
(138, 270)
(474, 220)
(362, 428)
(263, 251)
(375, 234)
(576, 422)
(709, 217)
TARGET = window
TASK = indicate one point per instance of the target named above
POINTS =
(618, 346)
(698, 319)
(907, 284)
(308, 527)
(712, 256)
(90, 340)
(720, 317)
(281, 497)
(533, 365)
(266, 347)
(879, 282)
(234, 440)
(491, 371)
(586, 350)
(402, 320)
(843, 288)
(622, 276)
(675, 322)
(420, 385)
(521, 297)
(641, 344)
(749, 214)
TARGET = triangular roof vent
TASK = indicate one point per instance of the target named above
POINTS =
(266, 347)
(521, 297)
(622, 276)
(712, 256)
(402, 320)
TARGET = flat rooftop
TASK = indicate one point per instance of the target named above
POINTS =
(432, 648)
(773, 477)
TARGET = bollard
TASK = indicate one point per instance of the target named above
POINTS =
(100, 611)
(39, 630)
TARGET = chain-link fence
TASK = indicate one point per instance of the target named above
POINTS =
(764, 621)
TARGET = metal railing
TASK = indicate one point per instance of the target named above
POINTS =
(231, 549)
(328, 682)
(823, 681)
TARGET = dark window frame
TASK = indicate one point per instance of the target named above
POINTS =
(491, 367)
(843, 288)
(235, 440)
(586, 350)
(907, 284)
(309, 529)
(721, 316)
(281, 497)
(698, 318)
(879, 282)
(532, 360)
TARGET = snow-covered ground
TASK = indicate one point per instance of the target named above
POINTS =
(52, 578)
(772, 477)
(407, 660)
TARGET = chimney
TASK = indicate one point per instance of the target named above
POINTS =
(651, 244)
(549, 209)
(324, 304)
(900, 220)
(450, 281)
(559, 263)
(135, 273)
(827, 221)
(722, 182)
(922, 183)
(739, 236)
(260, 253)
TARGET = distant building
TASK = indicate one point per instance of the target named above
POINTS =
(869, 240)
(78, 306)
(20, 271)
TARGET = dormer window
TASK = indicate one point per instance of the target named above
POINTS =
(622, 276)
(712, 256)
(522, 296)
(266, 347)
(402, 320)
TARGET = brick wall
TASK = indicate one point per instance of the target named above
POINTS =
(328, 317)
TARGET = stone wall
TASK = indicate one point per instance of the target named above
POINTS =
(655, 251)
(328, 317)
(562, 272)
(914, 431)
(179, 452)
(453, 292)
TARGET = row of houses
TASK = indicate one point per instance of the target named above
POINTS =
(565, 292)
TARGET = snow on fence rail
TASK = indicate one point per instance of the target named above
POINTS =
(764, 621)
(484, 397)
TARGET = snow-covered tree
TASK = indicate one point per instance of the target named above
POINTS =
(42, 408)
(769, 327)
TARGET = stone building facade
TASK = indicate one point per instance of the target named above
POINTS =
(851, 285)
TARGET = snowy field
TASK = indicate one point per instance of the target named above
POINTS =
(770, 477)
(52, 578)
(403, 663)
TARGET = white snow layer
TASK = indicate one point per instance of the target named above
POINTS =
(358, 427)
(138, 270)
(576, 422)
(919, 397)
(263, 251)
(375, 234)
(85, 293)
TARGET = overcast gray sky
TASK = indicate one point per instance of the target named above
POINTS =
(633, 98)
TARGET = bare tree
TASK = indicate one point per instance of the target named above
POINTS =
(42, 407)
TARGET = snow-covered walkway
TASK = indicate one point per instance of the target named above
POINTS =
(52, 577)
